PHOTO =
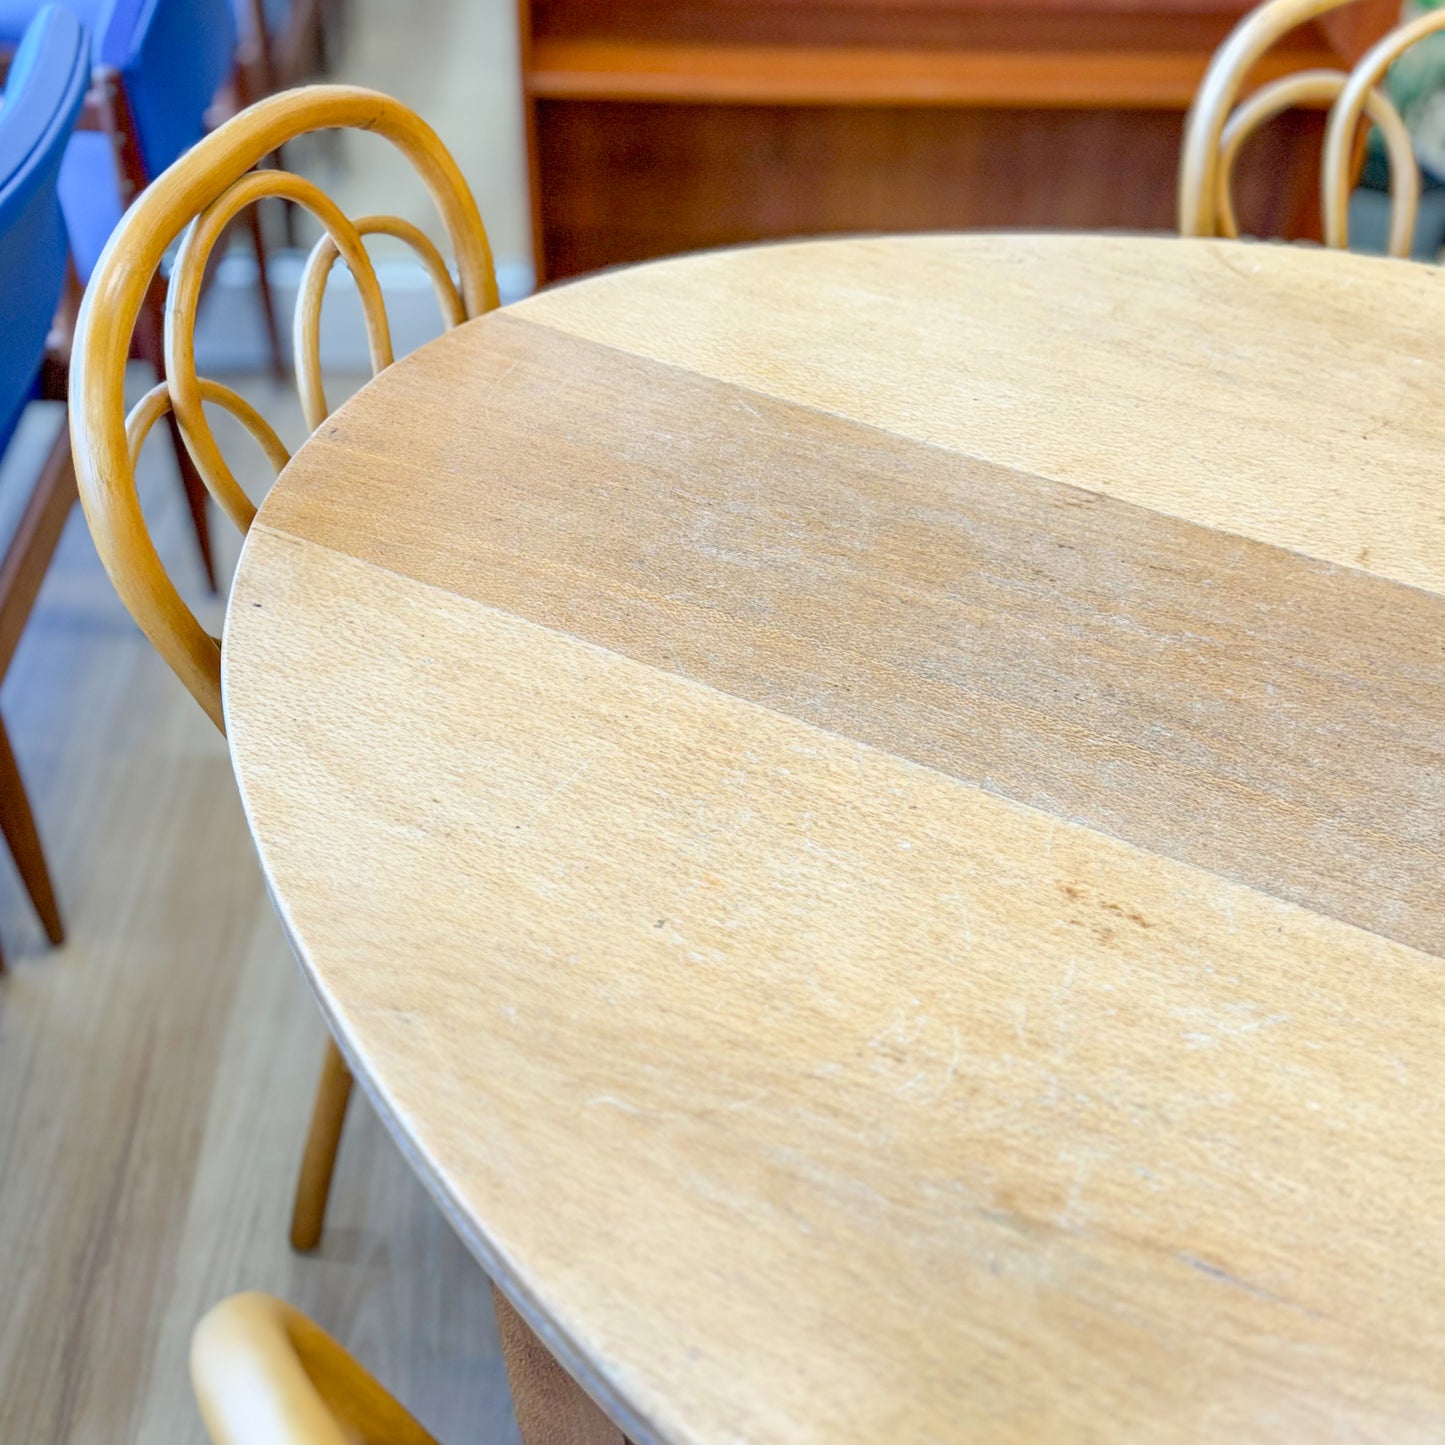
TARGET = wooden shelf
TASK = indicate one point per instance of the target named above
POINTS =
(588, 69)
(659, 126)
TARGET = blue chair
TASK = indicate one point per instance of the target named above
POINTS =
(44, 91)
(16, 15)
(157, 66)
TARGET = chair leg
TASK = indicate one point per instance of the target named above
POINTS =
(196, 494)
(289, 209)
(150, 345)
(243, 87)
(18, 825)
(313, 1187)
(268, 307)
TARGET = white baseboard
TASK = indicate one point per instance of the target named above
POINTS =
(230, 332)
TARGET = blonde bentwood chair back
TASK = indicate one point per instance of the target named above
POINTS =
(1356, 99)
(1218, 124)
(264, 1374)
(199, 195)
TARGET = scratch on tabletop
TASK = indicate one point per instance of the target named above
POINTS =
(554, 795)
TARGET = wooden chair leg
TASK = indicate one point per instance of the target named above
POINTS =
(243, 88)
(289, 209)
(268, 308)
(196, 496)
(313, 1187)
(150, 345)
(18, 825)
(551, 1407)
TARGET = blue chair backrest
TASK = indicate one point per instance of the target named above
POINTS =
(16, 15)
(43, 95)
(174, 56)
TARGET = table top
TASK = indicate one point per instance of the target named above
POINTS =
(871, 812)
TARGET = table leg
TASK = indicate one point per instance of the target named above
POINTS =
(552, 1408)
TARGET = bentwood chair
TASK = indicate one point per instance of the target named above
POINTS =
(196, 199)
(160, 66)
(264, 1374)
(1220, 123)
(43, 95)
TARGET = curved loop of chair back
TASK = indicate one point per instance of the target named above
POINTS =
(199, 195)
(1217, 125)
(46, 86)
(1322, 88)
(264, 1374)
(1336, 170)
(1246, 45)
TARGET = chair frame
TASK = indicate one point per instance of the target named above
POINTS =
(1219, 123)
(117, 294)
(47, 506)
(263, 1372)
(107, 111)
(22, 570)
(1354, 101)
(201, 195)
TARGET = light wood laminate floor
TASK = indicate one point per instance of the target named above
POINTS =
(138, 1182)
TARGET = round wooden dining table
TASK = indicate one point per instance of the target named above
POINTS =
(870, 812)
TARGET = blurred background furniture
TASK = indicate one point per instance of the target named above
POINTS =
(656, 127)
(211, 181)
(286, 41)
(282, 43)
(264, 1374)
(159, 67)
(1220, 124)
(44, 91)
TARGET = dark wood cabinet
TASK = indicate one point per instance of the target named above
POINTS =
(656, 127)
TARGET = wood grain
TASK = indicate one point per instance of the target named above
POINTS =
(795, 1092)
(1199, 695)
(790, 1080)
(1276, 393)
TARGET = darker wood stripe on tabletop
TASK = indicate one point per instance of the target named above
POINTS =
(1275, 719)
